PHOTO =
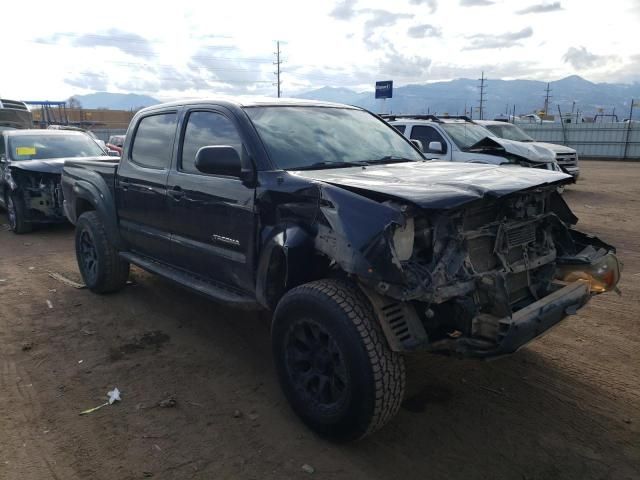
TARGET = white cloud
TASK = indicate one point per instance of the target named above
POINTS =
(172, 53)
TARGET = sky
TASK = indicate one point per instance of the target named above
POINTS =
(53, 50)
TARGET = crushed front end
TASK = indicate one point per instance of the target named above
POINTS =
(485, 279)
(40, 192)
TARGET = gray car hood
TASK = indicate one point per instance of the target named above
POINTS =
(53, 165)
(532, 152)
(437, 185)
(554, 147)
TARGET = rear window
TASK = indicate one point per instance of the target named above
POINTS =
(153, 142)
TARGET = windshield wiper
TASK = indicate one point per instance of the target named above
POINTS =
(323, 165)
(391, 159)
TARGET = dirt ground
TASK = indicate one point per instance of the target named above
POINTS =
(566, 406)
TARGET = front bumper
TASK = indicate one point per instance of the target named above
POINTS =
(571, 170)
(523, 326)
(540, 316)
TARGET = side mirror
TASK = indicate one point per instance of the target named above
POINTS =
(418, 144)
(435, 147)
(3, 158)
(219, 160)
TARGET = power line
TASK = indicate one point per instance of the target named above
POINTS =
(482, 100)
(277, 63)
(546, 99)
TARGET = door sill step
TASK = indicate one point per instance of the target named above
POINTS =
(209, 289)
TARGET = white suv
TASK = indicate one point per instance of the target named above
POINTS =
(458, 139)
(566, 157)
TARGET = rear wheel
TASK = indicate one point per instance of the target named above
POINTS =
(102, 269)
(17, 215)
(333, 361)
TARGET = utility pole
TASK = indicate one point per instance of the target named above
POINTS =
(481, 106)
(277, 63)
(546, 100)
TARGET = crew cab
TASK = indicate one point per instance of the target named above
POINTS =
(30, 167)
(328, 217)
(566, 157)
(459, 139)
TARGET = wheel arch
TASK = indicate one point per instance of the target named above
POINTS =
(87, 197)
(288, 259)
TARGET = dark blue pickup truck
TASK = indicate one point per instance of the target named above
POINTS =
(330, 218)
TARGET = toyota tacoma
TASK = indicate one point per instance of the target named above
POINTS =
(328, 217)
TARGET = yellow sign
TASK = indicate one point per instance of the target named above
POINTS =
(22, 151)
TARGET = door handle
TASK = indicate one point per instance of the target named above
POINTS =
(176, 193)
(124, 185)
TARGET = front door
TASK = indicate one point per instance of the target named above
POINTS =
(142, 186)
(212, 216)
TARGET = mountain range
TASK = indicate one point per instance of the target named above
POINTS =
(500, 96)
(452, 97)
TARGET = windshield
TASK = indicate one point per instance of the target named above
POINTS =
(46, 146)
(509, 132)
(327, 137)
(466, 134)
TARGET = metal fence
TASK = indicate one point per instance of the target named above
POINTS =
(591, 140)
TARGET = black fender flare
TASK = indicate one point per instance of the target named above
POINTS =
(293, 246)
(104, 204)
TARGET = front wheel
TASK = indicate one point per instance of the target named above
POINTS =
(17, 215)
(102, 269)
(333, 362)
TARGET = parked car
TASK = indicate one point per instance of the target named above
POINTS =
(30, 166)
(117, 140)
(327, 216)
(458, 139)
(108, 149)
(566, 157)
(14, 115)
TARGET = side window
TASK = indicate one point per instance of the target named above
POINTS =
(400, 128)
(428, 134)
(153, 143)
(2, 150)
(205, 129)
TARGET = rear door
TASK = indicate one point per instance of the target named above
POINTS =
(212, 216)
(427, 134)
(141, 186)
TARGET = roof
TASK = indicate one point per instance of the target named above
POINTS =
(492, 122)
(419, 119)
(247, 101)
(38, 131)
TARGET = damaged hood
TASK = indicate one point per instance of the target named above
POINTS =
(533, 152)
(554, 147)
(53, 165)
(436, 185)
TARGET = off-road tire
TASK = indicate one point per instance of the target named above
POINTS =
(109, 272)
(17, 215)
(375, 374)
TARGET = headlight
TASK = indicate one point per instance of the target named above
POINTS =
(603, 274)
(403, 240)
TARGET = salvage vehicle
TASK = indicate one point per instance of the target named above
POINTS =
(459, 139)
(566, 157)
(30, 167)
(327, 216)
